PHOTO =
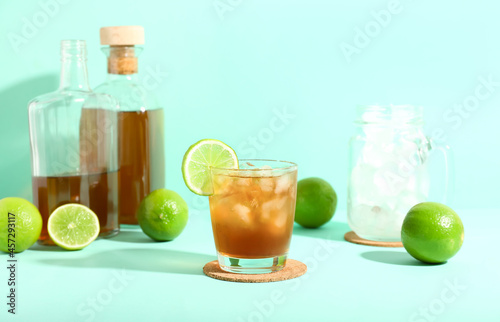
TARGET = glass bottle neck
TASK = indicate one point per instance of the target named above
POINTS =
(74, 76)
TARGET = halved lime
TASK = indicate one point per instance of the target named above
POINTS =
(73, 226)
(198, 160)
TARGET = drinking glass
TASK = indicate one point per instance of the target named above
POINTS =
(252, 210)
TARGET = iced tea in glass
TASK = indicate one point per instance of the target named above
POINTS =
(252, 210)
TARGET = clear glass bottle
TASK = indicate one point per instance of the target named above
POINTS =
(388, 169)
(141, 134)
(74, 145)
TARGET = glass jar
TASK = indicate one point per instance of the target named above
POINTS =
(74, 145)
(140, 121)
(388, 169)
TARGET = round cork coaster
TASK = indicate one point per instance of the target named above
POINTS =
(353, 238)
(291, 270)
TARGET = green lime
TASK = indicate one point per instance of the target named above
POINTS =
(20, 224)
(432, 232)
(162, 215)
(73, 226)
(316, 202)
(198, 160)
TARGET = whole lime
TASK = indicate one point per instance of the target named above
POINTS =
(432, 232)
(20, 224)
(162, 215)
(316, 202)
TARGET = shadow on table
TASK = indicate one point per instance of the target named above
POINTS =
(394, 258)
(124, 236)
(332, 231)
(132, 236)
(140, 259)
(37, 247)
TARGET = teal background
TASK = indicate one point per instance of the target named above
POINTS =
(222, 68)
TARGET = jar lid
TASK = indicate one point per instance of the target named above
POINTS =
(122, 35)
(395, 115)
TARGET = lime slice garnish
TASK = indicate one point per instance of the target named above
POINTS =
(73, 226)
(198, 160)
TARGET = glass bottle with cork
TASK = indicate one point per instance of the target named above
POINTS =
(74, 145)
(140, 120)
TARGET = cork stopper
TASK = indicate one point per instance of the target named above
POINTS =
(122, 57)
(122, 60)
(122, 35)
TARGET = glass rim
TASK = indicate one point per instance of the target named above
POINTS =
(73, 43)
(291, 166)
(73, 49)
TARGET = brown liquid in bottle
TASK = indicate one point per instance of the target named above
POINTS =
(97, 191)
(142, 160)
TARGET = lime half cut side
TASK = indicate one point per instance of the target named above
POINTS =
(198, 160)
(73, 226)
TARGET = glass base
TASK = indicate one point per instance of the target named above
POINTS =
(109, 233)
(252, 265)
(46, 242)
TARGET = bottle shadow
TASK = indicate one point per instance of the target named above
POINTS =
(132, 236)
(331, 231)
(14, 126)
(44, 248)
(129, 236)
(139, 259)
(394, 258)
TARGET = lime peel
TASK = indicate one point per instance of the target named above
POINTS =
(20, 224)
(432, 232)
(163, 215)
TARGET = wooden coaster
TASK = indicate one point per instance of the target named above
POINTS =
(353, 238)
(291, 270)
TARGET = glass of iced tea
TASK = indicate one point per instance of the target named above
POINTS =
(252, 210)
